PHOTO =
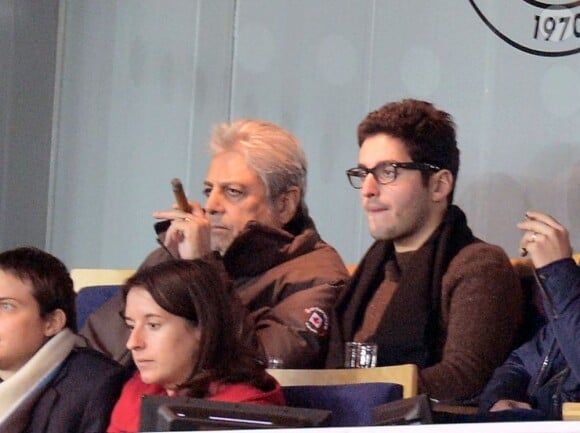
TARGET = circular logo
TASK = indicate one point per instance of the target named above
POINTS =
(542, 28)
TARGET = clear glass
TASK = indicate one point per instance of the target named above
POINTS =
(275, 363)
(360, 355)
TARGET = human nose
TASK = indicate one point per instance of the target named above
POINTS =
(213, 203)
(135, 340)
(369, 185)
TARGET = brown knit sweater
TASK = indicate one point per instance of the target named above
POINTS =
(458, 333)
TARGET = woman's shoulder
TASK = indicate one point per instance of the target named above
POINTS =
(246, 393)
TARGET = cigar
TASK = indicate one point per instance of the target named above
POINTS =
(180, 197)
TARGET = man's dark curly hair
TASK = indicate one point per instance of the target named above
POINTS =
(428, 133)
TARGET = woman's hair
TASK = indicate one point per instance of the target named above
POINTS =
(198, 291)
(52, 286)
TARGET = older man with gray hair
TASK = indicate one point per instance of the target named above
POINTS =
(255, 221)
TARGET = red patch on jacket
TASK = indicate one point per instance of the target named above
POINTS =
(317, 321)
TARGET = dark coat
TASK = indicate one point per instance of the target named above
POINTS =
(81, 396)
(545, 371)
(455, 312)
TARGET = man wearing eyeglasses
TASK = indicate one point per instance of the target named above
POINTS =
(427, 291)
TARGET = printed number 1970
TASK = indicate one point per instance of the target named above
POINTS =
(557, 28)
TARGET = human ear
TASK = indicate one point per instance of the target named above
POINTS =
(286, 204)
(54, 322)
(441, 185)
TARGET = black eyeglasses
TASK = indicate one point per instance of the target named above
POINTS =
(385, 172)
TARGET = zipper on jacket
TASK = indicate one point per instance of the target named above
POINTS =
(545, 295)
(543, 369)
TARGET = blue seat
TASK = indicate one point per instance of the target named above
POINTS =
(90, 298)
(351, 404)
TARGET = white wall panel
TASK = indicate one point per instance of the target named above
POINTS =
(304, 65)
(144, 80)
(28, 30)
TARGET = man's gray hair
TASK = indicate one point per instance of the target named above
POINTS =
(270, 150)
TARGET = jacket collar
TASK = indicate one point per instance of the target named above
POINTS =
(259, 248)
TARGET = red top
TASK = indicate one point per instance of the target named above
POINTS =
(126, 413)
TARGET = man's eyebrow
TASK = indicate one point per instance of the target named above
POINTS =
(226, 184)
(386, 161)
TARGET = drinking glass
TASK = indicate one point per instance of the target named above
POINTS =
(360, 355)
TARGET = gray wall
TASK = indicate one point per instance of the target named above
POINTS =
(143, 81)
(28, 42)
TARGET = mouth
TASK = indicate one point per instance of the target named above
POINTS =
(375, 209)
(143, 362)
(218, 227)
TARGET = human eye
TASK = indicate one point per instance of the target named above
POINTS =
(386, 173)
(207, 190)
(153, 325)
(129, 324)
(233, 191)
(358, 172)
(7, 306)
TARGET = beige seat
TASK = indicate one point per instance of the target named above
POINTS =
(405, 375)
(571, 411)
(84, 277)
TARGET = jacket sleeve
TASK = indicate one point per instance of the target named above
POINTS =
(101, 401)
(561, 282)
(481, 309)
(296, 328)
(512, 380)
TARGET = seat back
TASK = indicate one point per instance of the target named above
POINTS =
(351, 268)
(571, 411)
(533, 311)
(404, 374)
(89, 299)
(94, 287)
(350, 404)
(85, 277)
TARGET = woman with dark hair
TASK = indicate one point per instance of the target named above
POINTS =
(189, 338)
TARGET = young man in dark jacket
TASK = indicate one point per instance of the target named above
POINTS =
(544, 372)
(428, 292)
